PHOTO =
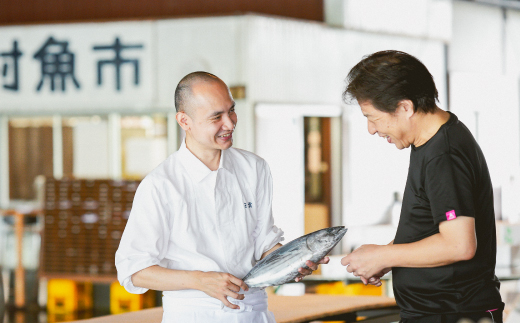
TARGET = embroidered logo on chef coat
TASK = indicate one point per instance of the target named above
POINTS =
(248, 205)
(450, 215)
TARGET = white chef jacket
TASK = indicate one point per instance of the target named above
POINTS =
(187, 217)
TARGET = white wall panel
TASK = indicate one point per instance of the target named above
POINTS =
(488, 105)
(513, 42)
(417, 18)
(286, 160)
(477, 38)
(291, 61)
(90, 144)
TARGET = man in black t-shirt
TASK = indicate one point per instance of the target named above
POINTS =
(444, 252)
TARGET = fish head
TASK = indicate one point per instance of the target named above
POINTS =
(325, 238)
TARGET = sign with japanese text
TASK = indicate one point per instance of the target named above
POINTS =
(77, 67)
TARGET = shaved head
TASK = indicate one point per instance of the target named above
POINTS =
(206, 112)
(184, 91)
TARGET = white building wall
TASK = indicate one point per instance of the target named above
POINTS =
(512, 42)
(484, 92)
(91, 152)
(286, 161)
(477, 44)
(429, 19)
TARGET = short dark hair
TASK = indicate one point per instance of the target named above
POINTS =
(183, 90)
(387, 77)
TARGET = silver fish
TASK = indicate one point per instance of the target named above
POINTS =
(281, 266)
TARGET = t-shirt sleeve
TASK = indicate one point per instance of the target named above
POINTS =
(266, 234)
(145, 238)
(449, 187)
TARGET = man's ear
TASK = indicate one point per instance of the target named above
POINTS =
(406, 107)
(183, 120)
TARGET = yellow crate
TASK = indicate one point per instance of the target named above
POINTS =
(340, 288)
(67, 317)
(68, 296)
(61, 317)
(122, 301)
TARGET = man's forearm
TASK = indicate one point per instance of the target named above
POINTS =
(433, 251)
(456, 241)
(278, 245)
(160, 278)
(215, 284)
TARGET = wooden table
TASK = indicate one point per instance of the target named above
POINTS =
(311, 307)
(288, 309)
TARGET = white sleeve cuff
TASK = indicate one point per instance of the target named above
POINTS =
(270, 240)
(127, 267)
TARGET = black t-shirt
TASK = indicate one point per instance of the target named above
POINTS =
(448, 177)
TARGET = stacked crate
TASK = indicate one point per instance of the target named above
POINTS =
(122, 301)
(84, 220)
(66, 296)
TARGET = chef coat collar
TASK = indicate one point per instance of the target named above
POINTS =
(196, 168)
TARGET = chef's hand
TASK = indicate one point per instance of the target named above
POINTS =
(312, 267)
(220, 285)
(366, 262)
(376, 279)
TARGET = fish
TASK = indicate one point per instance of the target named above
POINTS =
(281, 266)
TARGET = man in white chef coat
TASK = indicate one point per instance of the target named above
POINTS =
(202, 218)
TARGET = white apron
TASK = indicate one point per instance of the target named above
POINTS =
(253, 309)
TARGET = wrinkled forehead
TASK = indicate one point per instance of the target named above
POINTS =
(368, 109)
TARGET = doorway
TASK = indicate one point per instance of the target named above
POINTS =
(317, 162)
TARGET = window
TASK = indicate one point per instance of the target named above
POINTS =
(30, 155)
(143, 144)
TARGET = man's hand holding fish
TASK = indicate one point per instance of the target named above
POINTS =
(313, 266)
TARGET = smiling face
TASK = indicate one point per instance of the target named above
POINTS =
(395, 128)
(211, 120)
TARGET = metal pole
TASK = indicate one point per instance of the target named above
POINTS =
(19, 274)
(114, 146)
(4, 162)
(336, 175)
(57, 147)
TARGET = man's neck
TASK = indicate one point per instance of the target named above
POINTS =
(209, 157)
(427, 125)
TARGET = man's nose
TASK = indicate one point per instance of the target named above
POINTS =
(229, 124)
(371, 128)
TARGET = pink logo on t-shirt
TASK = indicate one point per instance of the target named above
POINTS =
(450, 215)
